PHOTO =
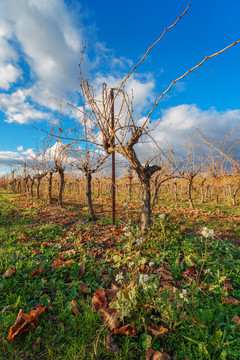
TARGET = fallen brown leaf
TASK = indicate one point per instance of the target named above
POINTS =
(68, 262)
(164, 273)
(149, 353)
(99, 300)
(35, 252)
(25, 322)
(227, 285)
(37, 272)
(127, 330)
(110, 318)
(36, 344)
(57, 263)
(190, 274)
(231, 300)
(113, 291)
(70, 252)
(83, 268)
(195, 321)
(74, 307)
(111, 346)
(157, 355)
(9, 272)
(83, 287)
(158, 330)
(105, 277)
(236, 319)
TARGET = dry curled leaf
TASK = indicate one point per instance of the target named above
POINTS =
(169, 287)
(34, 252)
(196, 321)
(227, 285)
(164, 273)
(37, 272)
(99, 300)
(149, 354)
(113, 291)
(183, 228)
(231, 300)
(110, 318)
(83, 287)
(190, 274)
(25, 322)
(236, 319)
(105, 277)
(111, 346)
(36, 344)
(157, 355)
(70, 252)
(83, 268)
(69, 262)
(58, 263)
(9, 272)
(158, 330)
(127, 330)
(74, 307)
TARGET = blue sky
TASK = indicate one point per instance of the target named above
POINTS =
(40, 48)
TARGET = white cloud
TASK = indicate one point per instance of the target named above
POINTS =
(7, 52)
(46, 37)
(16, 159)
(143, 89)
(9, 158)
(105, 58)
(18, 109)
(50, 43)
(180, 123)
(8, 75)
(9, 70)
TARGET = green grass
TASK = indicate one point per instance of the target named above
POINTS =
(194, 312)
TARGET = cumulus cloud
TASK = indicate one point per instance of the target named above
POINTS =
(183, 120)
(17, 158)
(51, 45)
(44, 35)
(49, 38)
(10, 158)
(106, 60)
(142, 89)
(17, 108)
(9, 70)
(8, 75)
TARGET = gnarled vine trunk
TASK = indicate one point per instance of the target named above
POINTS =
(190, 183)
(61, 187)
(88, 193)
(31, 187)
(234, 195)
(146, 204)
(38, 186)
(50, 175)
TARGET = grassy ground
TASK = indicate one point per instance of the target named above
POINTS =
(177, 290)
